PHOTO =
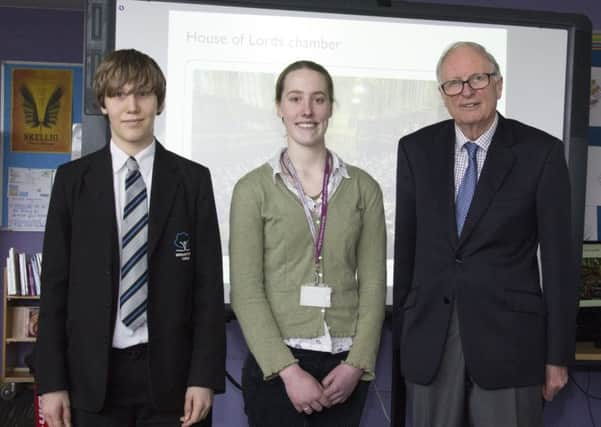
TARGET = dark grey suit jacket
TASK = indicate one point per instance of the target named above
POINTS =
(80, 282)
(509, 328)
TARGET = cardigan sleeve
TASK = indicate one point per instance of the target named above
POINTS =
(371, 276)
(248, 296)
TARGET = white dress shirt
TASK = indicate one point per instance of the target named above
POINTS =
(122, 336)
(461, 156)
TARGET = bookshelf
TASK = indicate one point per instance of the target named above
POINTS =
(586, 351)
(16, 342)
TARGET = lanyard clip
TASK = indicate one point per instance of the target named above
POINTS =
(318, 275)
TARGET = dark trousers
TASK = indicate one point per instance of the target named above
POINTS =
(266, 403)
(128, 402)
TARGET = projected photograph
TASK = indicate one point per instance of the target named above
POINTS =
(234, 127)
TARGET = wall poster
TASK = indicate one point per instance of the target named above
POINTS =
(40, 104)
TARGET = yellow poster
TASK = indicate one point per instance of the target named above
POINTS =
(41, 110)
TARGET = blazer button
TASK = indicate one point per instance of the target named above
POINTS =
(446, 300)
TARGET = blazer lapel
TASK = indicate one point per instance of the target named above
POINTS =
(165, 181)
(97, 184)
(499, 162)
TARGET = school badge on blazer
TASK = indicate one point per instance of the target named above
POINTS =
(182, 246)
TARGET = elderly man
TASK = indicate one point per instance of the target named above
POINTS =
(477, 196)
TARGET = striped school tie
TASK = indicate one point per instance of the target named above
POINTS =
(133, 291)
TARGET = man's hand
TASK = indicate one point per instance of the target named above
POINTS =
(56, 408)
(197, 404)
(340, 383)
(556, 377)
(303, 390)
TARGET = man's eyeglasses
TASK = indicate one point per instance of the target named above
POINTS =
(475, 81)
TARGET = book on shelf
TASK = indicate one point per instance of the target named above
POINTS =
(37, 270)
(33, 317)
(8, 277)
(23, 322)
(23, 273)
(18, 319)
(12, 272)
(30, 280)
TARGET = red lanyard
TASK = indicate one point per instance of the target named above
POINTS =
(318, 237)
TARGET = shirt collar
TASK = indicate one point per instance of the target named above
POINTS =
(338, 165)
(144, 157)
(483, 141)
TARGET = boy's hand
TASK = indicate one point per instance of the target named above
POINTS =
(56, 408)
(197, 405)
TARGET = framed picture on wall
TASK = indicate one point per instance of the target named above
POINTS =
(590, 274)
(40, 111)
(40, 104)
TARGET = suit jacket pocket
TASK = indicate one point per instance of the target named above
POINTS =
(525, 301)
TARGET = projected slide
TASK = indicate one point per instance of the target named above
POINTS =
(364, 128)
(222, 63)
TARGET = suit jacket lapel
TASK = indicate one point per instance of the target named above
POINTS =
(448, 174)
(499, 162)
(441, 164)
(165, 181)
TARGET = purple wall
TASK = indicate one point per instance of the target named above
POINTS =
(41, 35)
(52, 35)
(37, 35)
(591, 8)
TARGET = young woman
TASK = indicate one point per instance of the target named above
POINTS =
(308, 269)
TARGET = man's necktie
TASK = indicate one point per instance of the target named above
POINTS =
(467, 187)
(133, 291)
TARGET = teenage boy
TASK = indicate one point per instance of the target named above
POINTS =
(131, 319)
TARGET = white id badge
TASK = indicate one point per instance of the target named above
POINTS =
(316, 296)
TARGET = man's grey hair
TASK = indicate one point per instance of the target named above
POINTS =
(473, 45)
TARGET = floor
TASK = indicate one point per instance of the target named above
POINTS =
(18, 411)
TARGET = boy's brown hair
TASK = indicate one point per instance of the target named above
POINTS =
(129, 66)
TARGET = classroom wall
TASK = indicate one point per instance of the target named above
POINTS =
(42, 36)
(57, 35)
(37, 35)
(591, 8)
